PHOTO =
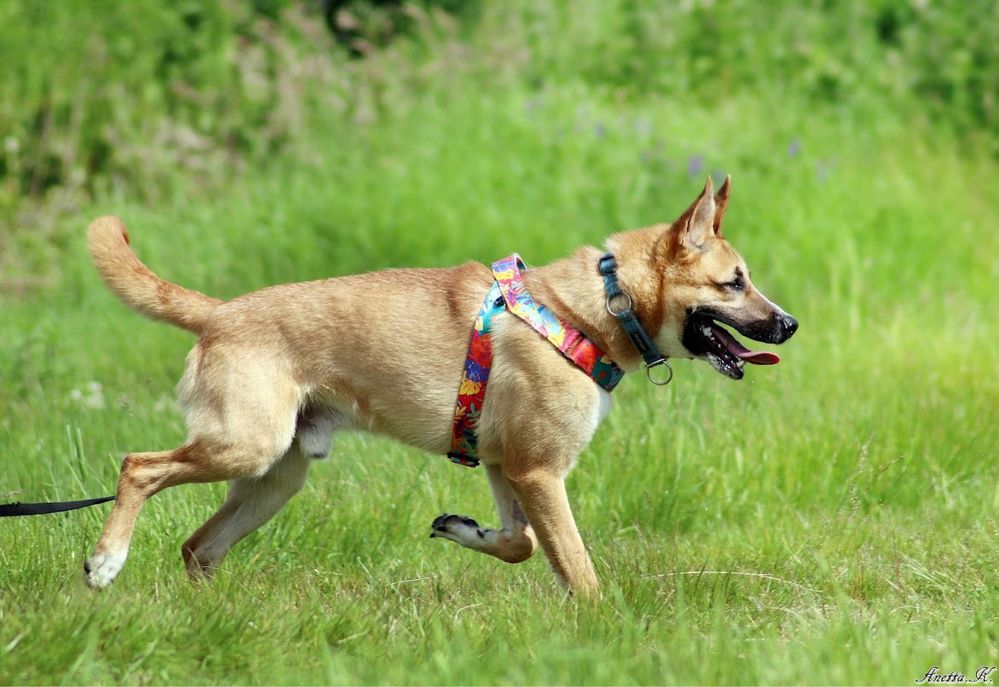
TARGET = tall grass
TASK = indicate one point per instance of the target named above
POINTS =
(831, 520)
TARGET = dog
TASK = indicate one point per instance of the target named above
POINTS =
(277, 372)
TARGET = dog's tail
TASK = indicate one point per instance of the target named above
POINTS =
(137, 286)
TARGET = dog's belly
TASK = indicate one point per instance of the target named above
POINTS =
(420, 419)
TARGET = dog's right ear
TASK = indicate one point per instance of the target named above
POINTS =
(721, 202)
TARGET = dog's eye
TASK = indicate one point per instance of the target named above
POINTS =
(736, 284)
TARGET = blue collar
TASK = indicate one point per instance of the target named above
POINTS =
(640, 339)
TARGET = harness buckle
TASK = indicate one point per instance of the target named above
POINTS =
(659, 363)
(462, 459)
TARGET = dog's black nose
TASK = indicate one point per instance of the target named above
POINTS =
(788, 326)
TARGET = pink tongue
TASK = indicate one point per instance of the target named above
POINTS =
(740, 351)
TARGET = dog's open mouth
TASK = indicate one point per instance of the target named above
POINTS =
(704, 337)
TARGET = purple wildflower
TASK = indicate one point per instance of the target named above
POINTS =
(694, 165)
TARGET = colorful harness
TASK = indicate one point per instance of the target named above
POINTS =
(509, 292)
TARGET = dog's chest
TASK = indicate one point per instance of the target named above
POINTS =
(602, 408)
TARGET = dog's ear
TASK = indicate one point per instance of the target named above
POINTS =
(721, 202)
(697, 225)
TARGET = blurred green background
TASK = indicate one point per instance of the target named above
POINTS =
(831, 520)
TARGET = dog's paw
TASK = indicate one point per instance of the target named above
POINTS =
(457, 528)
(101, 569)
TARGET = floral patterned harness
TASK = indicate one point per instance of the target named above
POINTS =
(509, 292)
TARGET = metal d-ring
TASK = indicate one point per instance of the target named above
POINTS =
(659, 363)
(617, 313)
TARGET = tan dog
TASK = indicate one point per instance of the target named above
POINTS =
(276, 372)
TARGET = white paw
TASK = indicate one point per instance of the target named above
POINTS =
(459, 529)
(102, 568)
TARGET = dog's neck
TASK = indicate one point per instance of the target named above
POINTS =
(574, 290)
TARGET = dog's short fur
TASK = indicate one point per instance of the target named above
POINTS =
(277, 372)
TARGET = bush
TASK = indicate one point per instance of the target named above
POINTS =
(105, 94)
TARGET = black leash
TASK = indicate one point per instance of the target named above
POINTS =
(9, 510)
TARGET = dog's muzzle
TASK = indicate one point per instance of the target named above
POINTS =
(705, 338)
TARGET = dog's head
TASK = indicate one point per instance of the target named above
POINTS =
(705, 284)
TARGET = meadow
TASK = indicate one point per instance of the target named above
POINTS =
(831, 520)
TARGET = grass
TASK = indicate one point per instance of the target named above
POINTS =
(830, 520)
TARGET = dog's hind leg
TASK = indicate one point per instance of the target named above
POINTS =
(239, 426)
(145, 474)
(251, 502)
(514, 543)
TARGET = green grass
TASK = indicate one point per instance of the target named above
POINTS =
(830, 520)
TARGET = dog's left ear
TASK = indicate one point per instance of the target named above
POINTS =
(698, 224)
(721, 202)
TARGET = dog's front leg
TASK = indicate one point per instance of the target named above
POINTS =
(513, 544)
(542, 496)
